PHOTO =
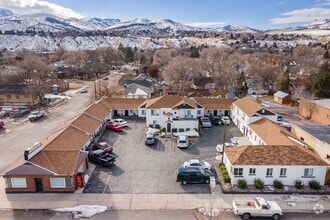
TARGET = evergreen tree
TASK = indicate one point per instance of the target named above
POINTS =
(326, 55)
(321, 82)
(284, 83)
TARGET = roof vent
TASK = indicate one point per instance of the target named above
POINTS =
(32, 151)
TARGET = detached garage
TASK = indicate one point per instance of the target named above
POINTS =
(282, 97)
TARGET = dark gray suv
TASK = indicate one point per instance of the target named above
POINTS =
(193, 175)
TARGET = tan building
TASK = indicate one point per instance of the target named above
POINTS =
(316, 110)
(17, 96)
(282, 97)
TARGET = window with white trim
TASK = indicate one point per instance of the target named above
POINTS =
(252, 171)
(57, 183)
(308, 172)
(283, 172)
(238, 171)
(143, 112)
(269, 172)
(18, 182)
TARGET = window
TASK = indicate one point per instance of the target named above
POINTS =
(17, 96)
(283, 172)
(252, 171)
(26, 96)
(308, 172)
(143, 112)
(199, 112)
(188, 112)
(153, 112)
(57, 183)
(18, 182)
(8, 96)
(238, 171)
(269, 172)
(154, 122)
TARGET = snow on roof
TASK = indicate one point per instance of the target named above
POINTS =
(281, 94)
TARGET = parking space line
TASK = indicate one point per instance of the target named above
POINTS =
(110, 174)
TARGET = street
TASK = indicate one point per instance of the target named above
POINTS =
(145, 215)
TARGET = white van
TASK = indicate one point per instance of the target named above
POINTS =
(182, 141)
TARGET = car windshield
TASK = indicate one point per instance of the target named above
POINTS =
(182, 141)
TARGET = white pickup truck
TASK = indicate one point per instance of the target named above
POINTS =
(257, 208)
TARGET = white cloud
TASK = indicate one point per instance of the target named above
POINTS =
(208, 24)
(302, 15)
(38, 6)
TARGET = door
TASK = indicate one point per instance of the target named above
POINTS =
(38, 182)
(115, 113)
(226, 112)
(215, 113)
(126, 112)
(169, 126)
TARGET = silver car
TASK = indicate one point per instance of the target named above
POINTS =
(149, 139)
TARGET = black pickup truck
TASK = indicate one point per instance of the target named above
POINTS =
(101, 157)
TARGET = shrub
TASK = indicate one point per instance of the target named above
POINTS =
(157, 126)
(313, 184)
(258, 184)
(298, 184)
(278, 184)
(151, 126)
(226, 178)
(163, 129)
(242, 184)
(187, 129)
(181, 129)
(174, 130)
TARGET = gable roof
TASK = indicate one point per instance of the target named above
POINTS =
(98, 109)
(272, 155)
(270, 132)
(281, 94)
(26, 167)
(13, 89)
(248, 105)
(215, 103)
(169, 101)
(87, 123)
(124, 103)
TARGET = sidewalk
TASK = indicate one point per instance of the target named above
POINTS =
(303, 203)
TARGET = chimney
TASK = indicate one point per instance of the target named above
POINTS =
(164, 89)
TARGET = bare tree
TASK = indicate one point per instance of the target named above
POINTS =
(109, 89)
(76, 60)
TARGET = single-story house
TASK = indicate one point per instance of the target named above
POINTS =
(282, 97)
(215, 106)
(286, 163)
(126, 106)
(18, 96)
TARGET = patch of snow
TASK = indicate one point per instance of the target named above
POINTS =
(84, 211)
(190, 133)
(300, 199)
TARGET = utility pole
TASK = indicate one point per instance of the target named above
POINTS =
(95, 95)
(224, 142)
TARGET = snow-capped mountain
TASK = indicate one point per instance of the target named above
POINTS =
(317, 24)
(238, 29)
(5, 12)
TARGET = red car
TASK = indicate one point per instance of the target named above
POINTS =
(114, 127)
(103, 146)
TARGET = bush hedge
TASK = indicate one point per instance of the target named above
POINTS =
(242, 184)
(313, 184)
(298, 184)
(259, 184)
(278, 184)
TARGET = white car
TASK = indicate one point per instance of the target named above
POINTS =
(225, 120)
(197, 163)
(206, 123)
(182, 141)
(119, 121)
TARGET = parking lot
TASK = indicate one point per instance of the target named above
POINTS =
(151, 169)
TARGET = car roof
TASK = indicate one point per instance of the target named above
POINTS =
(194, 161)
(182, 137)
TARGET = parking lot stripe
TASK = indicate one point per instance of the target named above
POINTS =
(106, 185)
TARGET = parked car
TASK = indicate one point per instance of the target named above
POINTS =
(258, 207)
(103, 146)
(20, 113)
(150, 139)
(114, 127)
(119, 121)
(4, 114)
(216, 120)
(101, 157)
(36, 115)
(197, 163)
(225, 120)
(205, 122)
(193, 175)
(2, 124)
(182, 141)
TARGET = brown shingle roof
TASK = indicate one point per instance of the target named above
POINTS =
(215, 103)
(248, 105)
(98, 110)
(270, 132)
(87, 123)
(272, 155)
(169, 101)
(123, 103)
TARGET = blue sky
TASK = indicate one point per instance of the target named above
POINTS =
(259, 14)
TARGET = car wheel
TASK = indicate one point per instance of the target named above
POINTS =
(246, 216)
(276, 216)
(207, 181)
(184, 182)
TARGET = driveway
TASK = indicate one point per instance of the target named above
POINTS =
(151, 169)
